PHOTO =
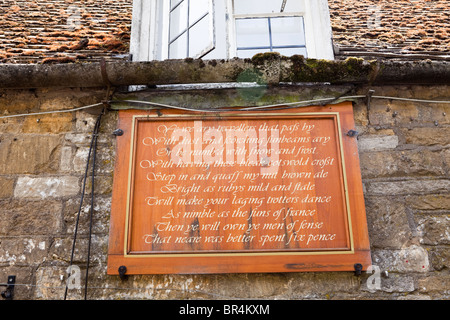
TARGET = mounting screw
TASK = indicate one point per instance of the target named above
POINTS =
(352, 133)
(9, 293)
(122, 272)
(358, 269)
(118, 132)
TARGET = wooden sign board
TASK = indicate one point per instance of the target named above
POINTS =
(238, 192)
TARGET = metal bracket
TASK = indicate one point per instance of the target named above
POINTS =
(352, 133)
(118, 132)
(369, 98)
(122, 273)
(358, 269)
(8, 294)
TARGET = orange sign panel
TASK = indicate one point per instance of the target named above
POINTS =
(238, 192)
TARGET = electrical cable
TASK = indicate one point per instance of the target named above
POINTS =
(52, 112)
(280, 106)
(287, 105)
(410, 100)
(134, 289)
(91, 149)
(96, 133)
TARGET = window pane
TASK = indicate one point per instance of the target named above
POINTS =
(198, 8)
(173, 3)
(200, 38)
(291, 51)
(295, 6)
(287, 31)
(256, 6)
(178, 49)
(267, 6)
(252, 33)
(178, 20)
(243, 54)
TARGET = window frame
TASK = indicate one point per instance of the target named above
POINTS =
(210, 12)
(269, 18)
(150, 30)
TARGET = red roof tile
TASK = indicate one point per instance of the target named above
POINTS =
(55, 30)
(45, 31)
(391, 28)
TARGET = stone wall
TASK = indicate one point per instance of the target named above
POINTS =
(405, 163)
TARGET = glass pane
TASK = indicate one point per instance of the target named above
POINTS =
(178, 20)
(198, 8)
(287, 31)
(291, 51)
(295, 6)
(173, 3)
(200, 38)
(252, 33)
(257, 6)
(267, 6)
(178, 49)
(244, 54)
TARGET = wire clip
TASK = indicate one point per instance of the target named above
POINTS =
(8, 294)
(358, 269)
(122, 273)
(118, 132)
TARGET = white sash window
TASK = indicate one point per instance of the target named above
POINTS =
(224, 29)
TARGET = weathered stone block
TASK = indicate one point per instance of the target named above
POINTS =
(393, 284)
(61, 250)
(44, 188)
(85, 122)
(84, 139)
(377, 142)
(18, 101)
(51, 282)
(59, 101)
(20, 217)
(434, 230)
(437, 285)
(101, 213)
(28, 154)
(410, 187)
(386, 113)
(104, 163)
(6, 187)
(318, 285)
(387, 222)
(401, 163)
(11, 125)
(427, 136)
(52, 123)
(23, 251)
(408, 259)
(429, 202)
(439, 257)
(24, 275)
(66, 162)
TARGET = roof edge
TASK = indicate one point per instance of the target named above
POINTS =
(269, 68)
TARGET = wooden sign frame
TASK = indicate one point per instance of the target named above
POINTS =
(123, 251)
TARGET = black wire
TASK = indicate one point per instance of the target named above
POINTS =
(93, 142)
(96, 133)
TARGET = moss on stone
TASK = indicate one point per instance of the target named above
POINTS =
(318, 70)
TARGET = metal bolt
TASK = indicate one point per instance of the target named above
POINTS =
(118, 132)
(352, 133)
(265, 162)
(358, 269)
